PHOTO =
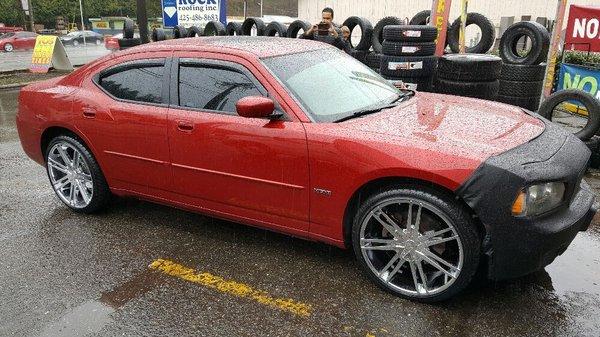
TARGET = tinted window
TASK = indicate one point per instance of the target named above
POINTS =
(143, 84)
(213, 88)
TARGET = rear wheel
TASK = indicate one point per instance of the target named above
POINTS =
(75, 175)
(416, 243)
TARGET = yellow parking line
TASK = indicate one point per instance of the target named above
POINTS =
(230, 287)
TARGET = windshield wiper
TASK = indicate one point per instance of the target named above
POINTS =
(390, 105)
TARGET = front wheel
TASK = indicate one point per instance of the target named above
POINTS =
(416, 243)
(75, 43)
(75, 175)
(8, 47)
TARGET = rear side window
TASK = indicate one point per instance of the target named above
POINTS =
(213, 88)
(141, 83)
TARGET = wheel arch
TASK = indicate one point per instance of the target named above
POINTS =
(53, 131)
(377, 184)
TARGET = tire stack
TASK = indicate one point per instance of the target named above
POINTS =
(522, 76)
(470, 75)
(373, 59)
(128, 40)
(408, 54)
(360, 50)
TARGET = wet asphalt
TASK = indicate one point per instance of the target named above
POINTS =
(65, 274)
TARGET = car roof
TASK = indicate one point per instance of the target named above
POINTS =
(259, 46)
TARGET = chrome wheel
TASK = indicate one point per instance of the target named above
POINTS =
(8, 47)
(411, 246)
(70, 175)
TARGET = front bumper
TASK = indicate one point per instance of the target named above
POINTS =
(516, 246)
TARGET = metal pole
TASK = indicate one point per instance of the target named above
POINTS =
(31, 21)
(554, 45)
(261, 8)
(82, 25)
(463, 26)
(142, 20)
(245, 9)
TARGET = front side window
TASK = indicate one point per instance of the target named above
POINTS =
(141, 83)
(213, 88)
(330, 84)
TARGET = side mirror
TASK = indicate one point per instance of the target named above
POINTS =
(255, 107)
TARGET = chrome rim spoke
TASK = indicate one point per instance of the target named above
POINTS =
(70, 179)
(386, 246)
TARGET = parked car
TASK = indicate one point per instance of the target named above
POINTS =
(297, 137)
(76, 38)
(112, 42)
(17, 40)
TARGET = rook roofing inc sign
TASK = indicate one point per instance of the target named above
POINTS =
(193, 12)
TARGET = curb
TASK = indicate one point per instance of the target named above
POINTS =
(15, 85)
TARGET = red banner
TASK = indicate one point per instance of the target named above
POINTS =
(583, 28)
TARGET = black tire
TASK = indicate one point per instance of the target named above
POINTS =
(483, 90)
(523, 72)
(295, 27)
(234, 28)
(520, 88)
(276, 28)
(591, 104)
(377, 38)
(373, 60)
(409, 33)
(8, 47)
(179, 32)
(422, 18)
(249, 22)
(128, 29)
(408, 48)
(470, 67)
(360, 55)
(459, 217)
(214, 28)
(101, 193)
(488, 34)
(366, 32)
(127, 43)
(593, 144)
(408, 66)
(540, 43)
(158, 34)
(194, 31)
(531, 103)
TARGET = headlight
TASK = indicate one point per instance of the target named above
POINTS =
(538, 199)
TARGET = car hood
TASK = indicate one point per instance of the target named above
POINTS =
(474, 127)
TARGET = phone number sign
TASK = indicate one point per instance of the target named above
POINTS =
(193, 12)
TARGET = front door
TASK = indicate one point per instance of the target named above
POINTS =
(253, 168)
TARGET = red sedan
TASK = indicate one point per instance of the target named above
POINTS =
(17, 40)
(297, 137)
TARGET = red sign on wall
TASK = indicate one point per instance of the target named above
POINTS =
(583, 28)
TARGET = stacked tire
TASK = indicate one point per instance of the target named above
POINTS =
(469, 75)
(128, 40)
(373, 59)
(522, 76)
(360, 50)
(408, 54)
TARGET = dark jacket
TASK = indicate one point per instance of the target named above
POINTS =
(338, 42)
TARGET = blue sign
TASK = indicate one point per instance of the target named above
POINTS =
(578, 77)
(193, 12)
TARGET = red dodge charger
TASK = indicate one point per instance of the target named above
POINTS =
(297, 137)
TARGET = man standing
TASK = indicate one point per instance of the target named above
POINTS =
(326, 31)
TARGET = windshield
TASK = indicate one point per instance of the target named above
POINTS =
(331, 85)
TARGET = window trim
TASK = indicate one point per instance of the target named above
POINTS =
(165, 62)
(219, 64)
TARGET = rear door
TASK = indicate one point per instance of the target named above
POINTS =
(253, 168)
(125, 111)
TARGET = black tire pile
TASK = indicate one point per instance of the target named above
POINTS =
(522, 76)
(128, 40)
(373, 59)
(360, 50)
(408, 54)
(469, 75)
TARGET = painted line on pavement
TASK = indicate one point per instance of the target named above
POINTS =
(230, 287)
